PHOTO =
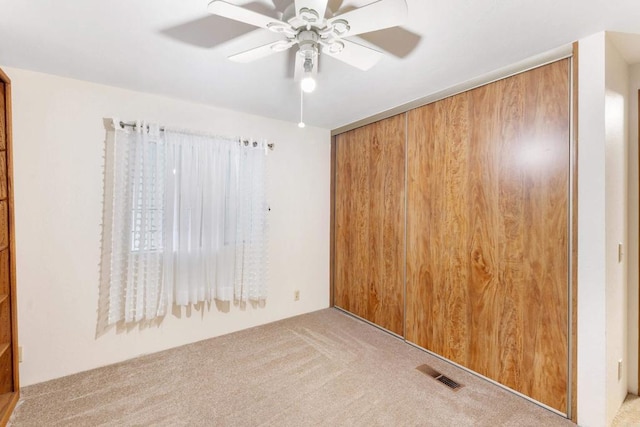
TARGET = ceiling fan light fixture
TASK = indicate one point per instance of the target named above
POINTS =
(308, 84)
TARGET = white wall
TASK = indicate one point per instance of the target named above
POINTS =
(58, 165)
(602, 224)
(616, 148)
(632, 252)
(591, 232)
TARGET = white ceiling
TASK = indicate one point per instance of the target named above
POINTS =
(173, 47)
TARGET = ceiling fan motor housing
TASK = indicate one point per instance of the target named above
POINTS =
(308, 43)
(311, 26)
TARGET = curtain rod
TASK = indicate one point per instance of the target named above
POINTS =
(270, 145)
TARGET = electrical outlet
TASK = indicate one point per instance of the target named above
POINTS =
(20, 354)
(619, 369)
(296, 295)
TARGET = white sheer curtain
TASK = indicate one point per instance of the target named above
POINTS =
(134, 183)
(185, 215)
(219, 215)
(251, 226)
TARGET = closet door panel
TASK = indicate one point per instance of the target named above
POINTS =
(544, 153)
(487, 229)
(437, 226)
(369, 252)
(351, 218)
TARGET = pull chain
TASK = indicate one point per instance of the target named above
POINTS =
(301, 124)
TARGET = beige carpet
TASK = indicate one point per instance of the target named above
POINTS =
(323, 368)
(629, 413)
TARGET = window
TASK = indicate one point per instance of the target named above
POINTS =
(147, 199)
(192, 210)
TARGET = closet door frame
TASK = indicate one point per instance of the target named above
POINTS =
(332, 222)
(572, 400)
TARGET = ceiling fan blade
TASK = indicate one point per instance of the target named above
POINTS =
(199, 31)
(356, 55)
(374, 16)
(237, 13)
(262, 51)
(306, 8)
(397, 41)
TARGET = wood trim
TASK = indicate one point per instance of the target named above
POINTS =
(12, 234)
(12, 398)
(4, 78)
(4, 348)
(574, 241)
(332, 221)
(8, 402)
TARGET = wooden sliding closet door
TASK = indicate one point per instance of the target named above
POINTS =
(487, 231)
(369, 222)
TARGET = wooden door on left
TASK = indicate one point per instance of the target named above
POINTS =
(369, 222)
(9, 385)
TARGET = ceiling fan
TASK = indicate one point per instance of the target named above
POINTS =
(305, 24)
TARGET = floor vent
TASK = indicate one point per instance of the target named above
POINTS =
(426, 369)
(448, 382)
